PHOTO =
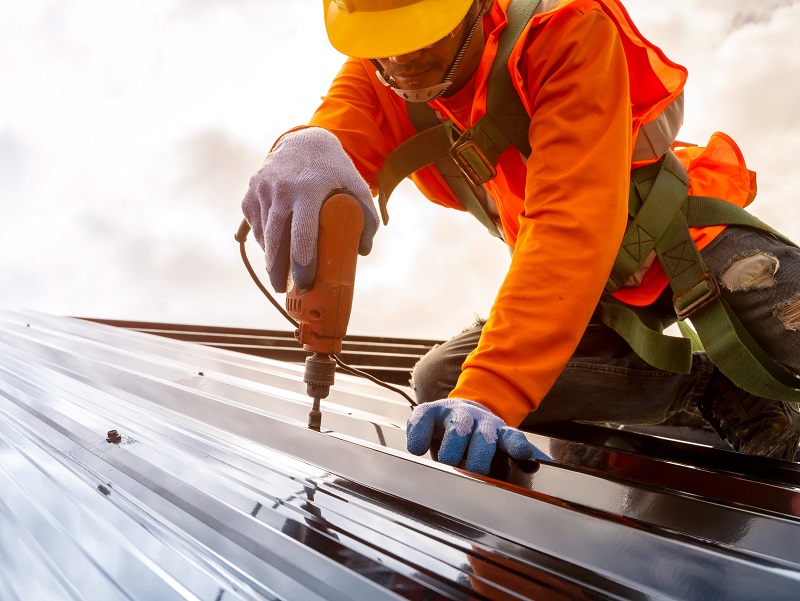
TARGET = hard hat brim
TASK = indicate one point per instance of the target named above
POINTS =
(392, 32)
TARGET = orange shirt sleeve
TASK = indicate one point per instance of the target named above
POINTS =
(371, 122)
(368, 124)
(574, 214)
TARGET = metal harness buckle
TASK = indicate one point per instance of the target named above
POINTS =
(470, 159)
(701, 294)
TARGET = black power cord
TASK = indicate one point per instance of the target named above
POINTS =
(241, 237)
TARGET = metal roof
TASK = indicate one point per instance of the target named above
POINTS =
(216, 490)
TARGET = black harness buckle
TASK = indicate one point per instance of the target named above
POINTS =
(470, 159)
(700, 295)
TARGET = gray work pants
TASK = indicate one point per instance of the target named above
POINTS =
(605, 381)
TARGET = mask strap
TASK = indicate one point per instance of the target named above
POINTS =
(432, 92)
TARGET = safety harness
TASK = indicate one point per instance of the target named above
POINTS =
(661, 212)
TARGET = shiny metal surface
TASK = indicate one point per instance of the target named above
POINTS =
(216, 490)
(389, 359)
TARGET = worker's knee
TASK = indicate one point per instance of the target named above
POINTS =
(759, 278)
(437, 372)
(426, 376)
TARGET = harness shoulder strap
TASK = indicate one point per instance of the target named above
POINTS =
(473, 153)
(425, 119)
(506, 121)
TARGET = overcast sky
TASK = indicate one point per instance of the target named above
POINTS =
(128, 132)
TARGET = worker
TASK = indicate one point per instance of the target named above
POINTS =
(570, 183)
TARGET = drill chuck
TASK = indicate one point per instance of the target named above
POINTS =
(318, 376)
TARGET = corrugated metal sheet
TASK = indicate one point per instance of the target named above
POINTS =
(389, 359)
(217, 491)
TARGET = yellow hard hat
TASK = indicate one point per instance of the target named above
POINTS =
(381, 28)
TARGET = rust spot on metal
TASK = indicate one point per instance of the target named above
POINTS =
(113, 437)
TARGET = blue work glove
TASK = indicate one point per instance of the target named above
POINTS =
(285, 196)
(466, 427)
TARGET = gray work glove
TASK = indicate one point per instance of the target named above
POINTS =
(466, 428)
(283, 202)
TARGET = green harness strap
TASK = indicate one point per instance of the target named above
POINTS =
(695, 292)
(425, 119)
(473, 153)
(664, 185)
(643, 331)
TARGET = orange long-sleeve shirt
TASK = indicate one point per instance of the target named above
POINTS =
(573, 215)
(564, 211)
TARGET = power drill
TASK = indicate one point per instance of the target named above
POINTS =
(323, 311)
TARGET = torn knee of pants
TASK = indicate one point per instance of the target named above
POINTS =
(789, 314)
(750, 273)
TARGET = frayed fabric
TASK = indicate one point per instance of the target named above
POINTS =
(789, 314)
(751, 273)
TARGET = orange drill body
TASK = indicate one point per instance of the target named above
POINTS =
(323, 311)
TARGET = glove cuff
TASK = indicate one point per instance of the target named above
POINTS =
(473, 403)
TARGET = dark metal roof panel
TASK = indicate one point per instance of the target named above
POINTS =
(217, 491)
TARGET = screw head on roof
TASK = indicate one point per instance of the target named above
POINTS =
(113, 437)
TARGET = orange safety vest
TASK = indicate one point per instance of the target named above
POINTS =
(595, 90)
